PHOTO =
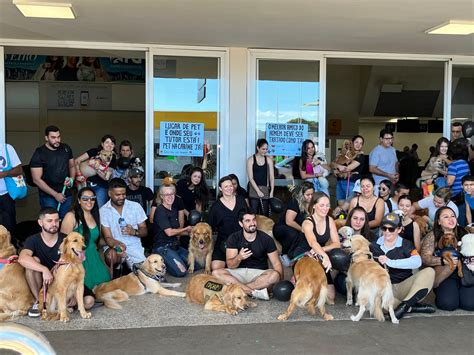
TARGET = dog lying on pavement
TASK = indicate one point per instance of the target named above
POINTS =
(143, 279)
(207, 290)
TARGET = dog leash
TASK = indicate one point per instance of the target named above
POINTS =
(68, 182)
(10, 260)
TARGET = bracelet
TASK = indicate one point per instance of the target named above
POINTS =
(442, 261)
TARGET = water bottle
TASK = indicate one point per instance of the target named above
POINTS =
(122, 224)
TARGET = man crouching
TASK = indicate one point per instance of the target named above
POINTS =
(247, 255)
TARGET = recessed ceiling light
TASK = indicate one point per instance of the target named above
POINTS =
(44, 9)
(453, 28)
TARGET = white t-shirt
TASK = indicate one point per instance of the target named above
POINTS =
(133, 214)
(14, 161)
(428, 203)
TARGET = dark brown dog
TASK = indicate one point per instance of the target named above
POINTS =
(448, 246)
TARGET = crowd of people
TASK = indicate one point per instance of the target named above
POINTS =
(122, 220)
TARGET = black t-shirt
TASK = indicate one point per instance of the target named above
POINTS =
(164, 219)
(260, 247)
(142, 196)
(358, 172)
(96, 179)
(55, 164)
(226, 221)
(186, 194)
(47, 255)
(293, 206)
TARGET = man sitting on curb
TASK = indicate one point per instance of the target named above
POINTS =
(247, 255)
(400, 257)
(40, 254)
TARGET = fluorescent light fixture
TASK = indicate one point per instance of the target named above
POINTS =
(453, 28)
(44, 9)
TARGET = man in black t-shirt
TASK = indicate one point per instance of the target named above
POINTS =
(136, 192)
(247, 255)
(39, 254)
(50, 165)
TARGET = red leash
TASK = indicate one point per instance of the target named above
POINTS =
(10, 260)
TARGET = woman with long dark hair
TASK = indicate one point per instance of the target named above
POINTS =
(193, 190)
(84, 218)
(450, 293)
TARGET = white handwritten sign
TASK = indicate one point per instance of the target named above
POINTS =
(285, 138)
(184, 139)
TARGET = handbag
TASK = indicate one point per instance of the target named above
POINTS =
(16, 185)
(468, 277)
(265, 189)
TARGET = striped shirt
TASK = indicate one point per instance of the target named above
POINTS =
(458, 169)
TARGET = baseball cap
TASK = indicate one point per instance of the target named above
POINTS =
(135, 172)
(392, 219)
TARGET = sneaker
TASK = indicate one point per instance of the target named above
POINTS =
(261, 294)
(34, 311)
(285, 260)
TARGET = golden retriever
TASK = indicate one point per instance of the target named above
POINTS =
(370, 280)
(207, 290)
(311, 288)
(142, 280)
(68, 281)
(265, 225)
(15, 295)
(201, 247)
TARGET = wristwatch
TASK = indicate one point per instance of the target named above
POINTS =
(135, 232)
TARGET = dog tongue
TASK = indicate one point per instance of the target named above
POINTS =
(201, 246)
(81, 255)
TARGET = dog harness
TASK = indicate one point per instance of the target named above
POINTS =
(211, 289)
(453, 251)
(138, 267)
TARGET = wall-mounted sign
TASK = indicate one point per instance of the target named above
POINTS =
(286, 138)
(182, 139)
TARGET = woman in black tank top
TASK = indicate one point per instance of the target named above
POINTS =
(411, 230)
(320, 235)
(374, 206)
(260, 173)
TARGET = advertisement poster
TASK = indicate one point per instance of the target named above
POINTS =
(79, 96)
(285, 138)
(184, 139)
(69, 68)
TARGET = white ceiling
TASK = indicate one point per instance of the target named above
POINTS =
(342, 25)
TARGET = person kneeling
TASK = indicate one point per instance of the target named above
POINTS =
(247, 255)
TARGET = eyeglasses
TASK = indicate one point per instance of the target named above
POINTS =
(167, 195)
(88, 198)
(390, 229)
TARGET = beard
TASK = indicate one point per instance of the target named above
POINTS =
(51, 229)
(251, 229)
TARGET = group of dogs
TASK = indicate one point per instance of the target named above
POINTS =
(365, 275)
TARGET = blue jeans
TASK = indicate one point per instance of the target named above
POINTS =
(101, 193)
(341, 190)
(50, 201)
(174, 259)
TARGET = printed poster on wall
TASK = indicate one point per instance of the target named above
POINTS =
(185, 139)
(286, 138)
(79, 96)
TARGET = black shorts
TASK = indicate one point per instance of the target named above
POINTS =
(88, 292)
(219, 252)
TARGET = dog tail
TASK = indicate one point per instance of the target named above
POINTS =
(112, 298)
(323, 295)
(387, 296)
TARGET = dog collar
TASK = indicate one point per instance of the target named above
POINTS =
(10, 260)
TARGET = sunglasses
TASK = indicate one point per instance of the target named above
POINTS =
(88, 198)
(390, 229)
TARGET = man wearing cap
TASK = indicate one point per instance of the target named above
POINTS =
(399, 257)
(136, 192)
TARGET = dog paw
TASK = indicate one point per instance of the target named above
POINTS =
(207, 271)
(190, 270)
(395, 321)
(354, 319)
(282, 317)
(86, 315)
(64, 319)
(349, 303)
(328, 316)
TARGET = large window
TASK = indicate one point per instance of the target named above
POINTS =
(186, 116)
(287, 92)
